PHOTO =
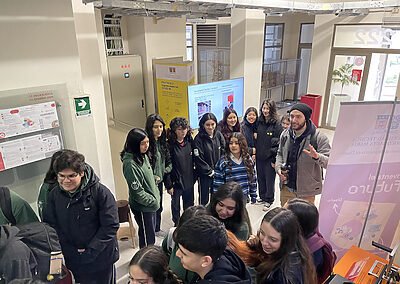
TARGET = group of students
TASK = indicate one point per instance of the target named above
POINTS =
(221, 152)
(209, 245)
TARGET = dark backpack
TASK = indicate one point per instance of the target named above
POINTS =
(42, 241)
(316, 242)
(5, 205)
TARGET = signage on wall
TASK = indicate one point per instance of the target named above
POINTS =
(374, 36)
(82, 106)
(356, 74)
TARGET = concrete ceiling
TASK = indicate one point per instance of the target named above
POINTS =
(210, 9)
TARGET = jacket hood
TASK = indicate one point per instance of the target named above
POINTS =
(229, 268)
(7, 234)
(89, 179)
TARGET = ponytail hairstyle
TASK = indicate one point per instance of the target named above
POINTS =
(151, 119)
(273, 114)
(247, 161)
(132, 145)
(152, 261)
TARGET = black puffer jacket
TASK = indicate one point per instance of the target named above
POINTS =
(229, 268)
(86, 220)
(16, 259)
(207, 151)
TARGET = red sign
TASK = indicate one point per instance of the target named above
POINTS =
(356, 74)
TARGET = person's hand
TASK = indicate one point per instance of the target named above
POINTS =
(254, 158)
(157, 179)
(81, 250)
(273, 165)
(282, 175)
(312, 152)
(254, 151)
(252, 241)
(170, 191)
(255, 135)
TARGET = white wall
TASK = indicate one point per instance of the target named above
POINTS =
(39, 47)
(155, 39)
(247, 36)
(90, 40)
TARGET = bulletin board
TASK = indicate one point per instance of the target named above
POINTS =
(28, 134)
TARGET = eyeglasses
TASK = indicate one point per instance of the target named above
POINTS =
(69, 177)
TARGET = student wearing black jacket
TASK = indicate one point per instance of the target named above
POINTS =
(85, 215)
(180, 182)
(209, 146)
(269, 130)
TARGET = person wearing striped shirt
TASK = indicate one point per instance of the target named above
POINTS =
(237, 165)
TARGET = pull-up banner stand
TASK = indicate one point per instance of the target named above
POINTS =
(360, 202)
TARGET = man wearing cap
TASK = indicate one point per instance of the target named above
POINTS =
(303, 152)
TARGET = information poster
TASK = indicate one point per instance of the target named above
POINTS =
(27, 150)
(28, 119)
(173, 80)
(353, 211)
(215, 97)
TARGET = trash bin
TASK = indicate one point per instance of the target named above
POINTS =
(314, 102)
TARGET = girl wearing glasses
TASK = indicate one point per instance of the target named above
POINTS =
(144, 197)
(150, 266)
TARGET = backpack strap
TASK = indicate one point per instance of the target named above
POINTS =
(5, 205)
(170, 239)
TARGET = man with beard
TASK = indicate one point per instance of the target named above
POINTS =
(303, 152)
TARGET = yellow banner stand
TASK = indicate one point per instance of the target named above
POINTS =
(172, 81)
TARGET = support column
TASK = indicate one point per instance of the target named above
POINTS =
(247, 37)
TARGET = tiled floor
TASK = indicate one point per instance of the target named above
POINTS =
(117, 139)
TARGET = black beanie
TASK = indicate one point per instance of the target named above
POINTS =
(303, 108)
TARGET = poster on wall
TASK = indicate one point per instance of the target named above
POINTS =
(28, 149)
(360, 202)
(27, 119)
(173, 80)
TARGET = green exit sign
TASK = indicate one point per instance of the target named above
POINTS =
(82, 106)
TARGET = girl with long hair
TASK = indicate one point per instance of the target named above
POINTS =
(249, 128)
(237, 165)
(144, 197)
(323, 256)
(282, 254)
(159, 156)
(180, 182)
(209, 146)
(269, 130)
(150, 265)
(227, 205)
(229, 123)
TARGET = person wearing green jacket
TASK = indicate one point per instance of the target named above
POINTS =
(144, 197)
(49, 183)
(20, 209)
(160, 159)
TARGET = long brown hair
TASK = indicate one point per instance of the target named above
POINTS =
(285, 223)
(247, 161)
